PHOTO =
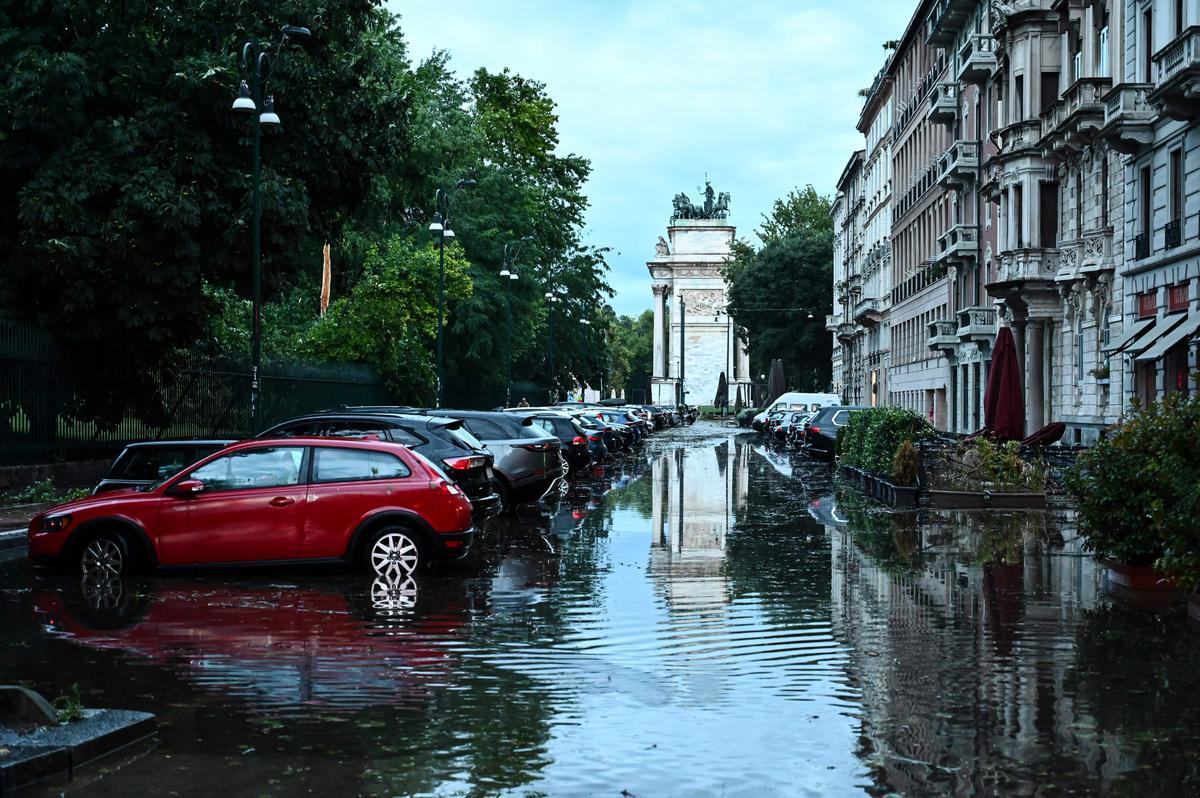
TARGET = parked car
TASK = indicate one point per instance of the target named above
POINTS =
(787, 423)
(621, 419)
(528, 462)
(595, 433)
(371, 503)
(794, 400)
(140, 465)
(444, 441)
(572, 438)
(799, 422)
(774, 418)
(617, 437)
(821, 432)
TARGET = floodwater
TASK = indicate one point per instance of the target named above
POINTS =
(706, 617)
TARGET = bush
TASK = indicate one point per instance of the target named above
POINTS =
(904, 464)
(874, 436)
(1138, 491)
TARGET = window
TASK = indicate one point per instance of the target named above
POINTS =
(1079, 355)
(1102, 53)
(158, 462)
(1018, 104)
(1179, 16)
(1177, 184)
(1019, 216)
(1177, 298)
(1105, 329)
(485, 430)
(405, 437)
(272, 467)
(355, 465)
(1079, 204)
(1048, 200)
(1147, 46)
(1145, 198)
(1104, 190)
(1147, 304)
(1049, 90)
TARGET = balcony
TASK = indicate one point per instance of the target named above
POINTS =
(868, 311)
(1173, 234)
(957, 245)
(1128, 118)
(831, 323)
(1021, 270)
(943, 334)
(958, 164)
(946, 19)
(943, 104)
(1177, 88)
(1085, 256)
(846, 331)
(1141, 246)
(977, 59)
(1072, 122)
(977, 324)
(1017, 137)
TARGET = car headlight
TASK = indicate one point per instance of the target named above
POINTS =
(55, 523)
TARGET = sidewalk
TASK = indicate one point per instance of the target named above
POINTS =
(14, 521)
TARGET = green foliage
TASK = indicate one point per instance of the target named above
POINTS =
(904, 464)
(1138, 491)
(44, 492)
(773, 296)
(630, 352)
(389, 319)
(873, 437)
(985, 465)
(802, 210)
(69, 706)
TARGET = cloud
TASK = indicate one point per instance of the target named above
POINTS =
(761, 96)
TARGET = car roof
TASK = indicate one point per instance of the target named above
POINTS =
(316, 440)
(416, 418)
(183, 442)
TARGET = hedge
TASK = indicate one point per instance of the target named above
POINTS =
(872, 437)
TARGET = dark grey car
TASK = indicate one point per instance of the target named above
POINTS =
(142, 464)
(529, 463)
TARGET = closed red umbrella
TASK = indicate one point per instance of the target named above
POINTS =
(1003, 402)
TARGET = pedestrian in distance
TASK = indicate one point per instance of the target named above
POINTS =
(523, 403)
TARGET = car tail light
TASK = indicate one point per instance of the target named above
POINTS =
(445, 488)
(464, 463)
(578, 440)
(595, 438)
(538, 447)
(814, 428)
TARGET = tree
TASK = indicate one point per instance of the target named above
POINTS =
(802, 209)
(788, 281)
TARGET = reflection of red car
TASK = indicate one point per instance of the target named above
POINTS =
(369, 502)
(272, 646)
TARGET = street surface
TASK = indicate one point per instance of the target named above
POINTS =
(704, 617)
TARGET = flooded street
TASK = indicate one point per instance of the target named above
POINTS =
(704, 617)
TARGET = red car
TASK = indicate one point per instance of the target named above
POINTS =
(373, 503)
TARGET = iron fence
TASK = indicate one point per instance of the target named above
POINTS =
(40, 392)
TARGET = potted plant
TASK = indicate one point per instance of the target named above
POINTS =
(1138, 495)
(1101, 373)
(904, 474)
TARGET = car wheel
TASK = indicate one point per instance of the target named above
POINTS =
(394, 552)
(506, 501)
(105, 555)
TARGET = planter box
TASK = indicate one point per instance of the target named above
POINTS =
(903, 496)
(984, 500)
(1140, 578)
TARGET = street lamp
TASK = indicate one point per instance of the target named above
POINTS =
(509, 269)
(256, 65)
(441, 226)
(551, 298)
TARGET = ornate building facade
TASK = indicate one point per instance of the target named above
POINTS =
(1045, 187)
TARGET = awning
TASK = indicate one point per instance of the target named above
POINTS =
(1160, 328)
(1132, 334)
(1181, 333)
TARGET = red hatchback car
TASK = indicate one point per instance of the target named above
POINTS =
(299, 499)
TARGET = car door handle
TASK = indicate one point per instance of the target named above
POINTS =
(282, 501)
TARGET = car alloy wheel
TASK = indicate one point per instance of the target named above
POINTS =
(392, 596)
(102, 556)
(394, 554)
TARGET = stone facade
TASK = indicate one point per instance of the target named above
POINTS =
(1044, 154)
(690, 318)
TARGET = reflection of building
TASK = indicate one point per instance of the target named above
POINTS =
(964, 667)
(698, 495)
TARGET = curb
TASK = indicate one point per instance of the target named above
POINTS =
(13, 543)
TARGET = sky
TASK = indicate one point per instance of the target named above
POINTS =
(760, 95)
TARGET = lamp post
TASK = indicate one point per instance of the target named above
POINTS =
(551, 299)
(256, 66)
(509, 270)
(441, 226)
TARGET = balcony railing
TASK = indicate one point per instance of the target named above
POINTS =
(957, 245)
(1026, 265)
(946, 19)
(869, 310)
(1018, 136)
(831, 323)
(958, 163)
(977, 58)
(846, 330)
(943, 334)
(943, 103)
(1128, 118)
(1173, 234)
(1177, 70)
(1141, 246)
(1071, 123)
(976, 324)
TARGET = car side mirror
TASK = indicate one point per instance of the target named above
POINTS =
(187, 487)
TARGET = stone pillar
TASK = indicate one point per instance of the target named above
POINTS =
(743, 359)
(659, 366)
(952, 398)
(965, 398)
(1035, 371)
(1018, 328)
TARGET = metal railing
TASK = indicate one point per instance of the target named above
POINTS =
(1141, 246)
(1173, 234)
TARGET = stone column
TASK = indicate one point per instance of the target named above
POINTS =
(659, 366)
(743, 363)
(1018, 328)
(952, 398)
(1035, 378)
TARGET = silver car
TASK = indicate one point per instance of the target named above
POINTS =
(529, 463)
